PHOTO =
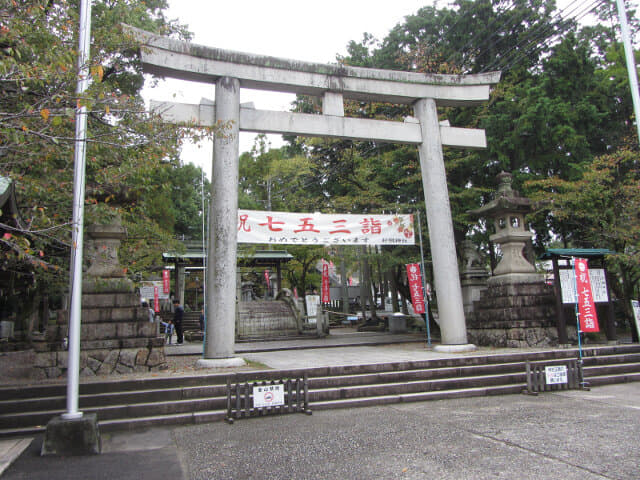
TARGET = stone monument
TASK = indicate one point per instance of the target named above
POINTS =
(116, 335)
(517, 309)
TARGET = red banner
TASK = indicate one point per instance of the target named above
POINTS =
(415, 286)
(266, 277)
(326, 293)
(166, 281)
(586, 305)
(156, 300)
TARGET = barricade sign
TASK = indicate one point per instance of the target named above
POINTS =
(556, 374)
(268, 396)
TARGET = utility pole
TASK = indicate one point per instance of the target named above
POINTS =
(631, 63)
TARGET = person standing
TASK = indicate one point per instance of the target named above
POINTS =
(178, 315)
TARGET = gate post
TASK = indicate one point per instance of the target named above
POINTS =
(440, 223)
(223, 219)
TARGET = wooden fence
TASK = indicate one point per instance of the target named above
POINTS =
(241, 403)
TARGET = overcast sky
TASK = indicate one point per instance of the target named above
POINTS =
(296, 29)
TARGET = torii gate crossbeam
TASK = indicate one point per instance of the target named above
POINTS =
(230, 71)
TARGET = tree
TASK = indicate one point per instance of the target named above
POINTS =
(127, 149)
(602, 210)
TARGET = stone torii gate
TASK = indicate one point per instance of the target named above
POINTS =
(229, 71)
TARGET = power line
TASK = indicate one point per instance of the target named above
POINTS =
(540, 32)
(519, 57)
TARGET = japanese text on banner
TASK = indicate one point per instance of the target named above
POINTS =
(586, 305)
(415, 286)
(324, 229)
(166, 281)
(326, 290)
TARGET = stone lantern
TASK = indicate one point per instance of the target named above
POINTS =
(507, 212)
(517, 307)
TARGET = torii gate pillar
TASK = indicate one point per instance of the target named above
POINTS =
(442, 241)
(223, 245)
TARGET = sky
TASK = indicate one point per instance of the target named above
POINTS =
(294, 29)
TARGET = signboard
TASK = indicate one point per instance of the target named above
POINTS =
(147, 291)
(415, 287)
(586, 305)
(598, 285)
(166, 281)
(556, 375)
(326, 290)
(312, 302)
(268, 396)
(324, 229)
(635, 305)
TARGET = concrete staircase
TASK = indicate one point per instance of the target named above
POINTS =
(190, 321)
(265, 319)
(147, 402)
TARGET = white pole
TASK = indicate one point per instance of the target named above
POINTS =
(73, 367)
(631, 63)
(424, 283)
(204, 261)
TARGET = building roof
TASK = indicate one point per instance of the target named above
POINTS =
(259, 257)
(576, 252)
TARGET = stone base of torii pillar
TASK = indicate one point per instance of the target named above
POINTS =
(203, 363)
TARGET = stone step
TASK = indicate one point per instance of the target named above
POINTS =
(387, 389)
(201, 398)
(417, 397)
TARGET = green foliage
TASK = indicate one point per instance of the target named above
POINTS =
(562, 105)
(601, 210)
(132, 166)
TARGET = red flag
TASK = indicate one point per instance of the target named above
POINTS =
(295, 292)
(415, 286)
(166, 281)
(266, 276)
(326, 294)
(586, 305)
(156, 299)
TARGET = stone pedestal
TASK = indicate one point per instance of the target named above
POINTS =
(75, 436)
(515, 315)
(115, 333)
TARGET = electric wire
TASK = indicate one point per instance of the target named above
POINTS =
(563, 20)
(518, 59)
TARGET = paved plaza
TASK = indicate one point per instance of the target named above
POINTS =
(562, 435)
